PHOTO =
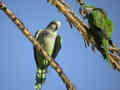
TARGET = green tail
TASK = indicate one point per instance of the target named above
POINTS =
(40, 78)
(106, 48)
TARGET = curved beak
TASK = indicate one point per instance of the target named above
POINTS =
(58, 24)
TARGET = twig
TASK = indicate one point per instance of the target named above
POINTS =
(115, 53)
(81, 26)
(115, 50)
(25, 31)
(115, 60)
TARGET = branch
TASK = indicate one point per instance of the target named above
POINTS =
(115, 54)
(117, 50)
(25, 31)
(81, 26)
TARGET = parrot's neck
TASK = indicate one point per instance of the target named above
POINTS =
(51, 32)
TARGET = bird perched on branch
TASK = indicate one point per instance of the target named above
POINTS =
(100, 27)
(51, 42)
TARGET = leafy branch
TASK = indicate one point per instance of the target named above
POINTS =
(82, 27)
(38, 46)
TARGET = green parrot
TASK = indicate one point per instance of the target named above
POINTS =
(51, 42)
(101, 27)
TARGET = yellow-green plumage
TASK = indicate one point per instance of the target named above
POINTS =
(51, 42)
(101, 27)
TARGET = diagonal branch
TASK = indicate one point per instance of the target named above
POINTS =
(82, 27)
(25, 31)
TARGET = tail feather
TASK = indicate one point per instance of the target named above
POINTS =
(40, 78)
(106, 48)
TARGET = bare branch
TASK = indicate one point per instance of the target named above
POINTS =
(25, 31)
(115, 54)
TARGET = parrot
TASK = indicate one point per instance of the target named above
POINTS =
(51, 42)
(100, 27)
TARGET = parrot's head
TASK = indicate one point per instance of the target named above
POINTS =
(54, 26)
(86, 10)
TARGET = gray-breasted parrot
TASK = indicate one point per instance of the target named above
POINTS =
(101, 27)
(51, 42)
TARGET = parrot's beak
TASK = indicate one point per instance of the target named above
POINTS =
(58, 24)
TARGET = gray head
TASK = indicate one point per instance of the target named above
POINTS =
(54, 26)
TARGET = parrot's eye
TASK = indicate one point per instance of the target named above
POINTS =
(82, 11)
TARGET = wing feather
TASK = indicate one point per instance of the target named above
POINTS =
(57, 46)
(35, 51)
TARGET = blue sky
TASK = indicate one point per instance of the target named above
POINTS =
(85, 68)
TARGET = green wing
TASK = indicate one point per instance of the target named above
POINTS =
(35, 52)
(109, 27)
(57, 47)
(97, 18)
(98, 21)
